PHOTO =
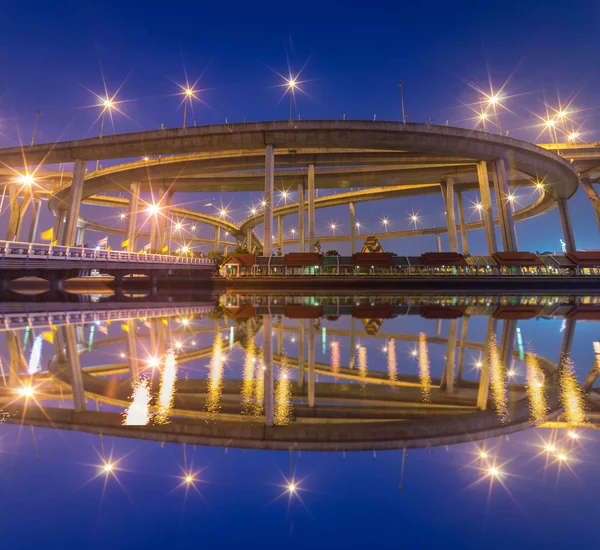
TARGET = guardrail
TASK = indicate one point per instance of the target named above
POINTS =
(10, 250)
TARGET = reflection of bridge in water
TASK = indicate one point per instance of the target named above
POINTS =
(283, 402)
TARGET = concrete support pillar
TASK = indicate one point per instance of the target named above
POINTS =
(448, 379)
(301, 344)
(15, 213)
(565, 222)
(134, 201)
(164, 216)
(352, 229)
(311, 363)
(311, 208)
(59, 225)
(484, 379)
(74, 367)
(268, 364)
(269, 200)
(507, 226)
(217, 238)
(80, 236)
(249, 239)
(486, 206)
(438, 242)
(462, 224)
(153, 225)
(301, 217)
(17, 361)
(35, 220)
(593, 196)
(448, 194)
(74, 204)
(280, 234)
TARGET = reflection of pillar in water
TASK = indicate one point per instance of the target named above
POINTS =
(571, 395)
(168, 378)
(335, 357)
(250, 365)
(268, 366)
(301, 343)
(392, 361)
(363, 366)
(138, 413)
(536, 392)
(215, 377)
(464, 329)
(484, 379)
(132, 355)
(311, 363)
(448, 381)
(352, 342)
(424, 368)
(498, 380)
(74, 367)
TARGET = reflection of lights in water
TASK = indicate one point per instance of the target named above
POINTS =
(248, 374)
(535, 388)
(362, 361)
(231, 337)
(215, 377)
(167, 387)
(138, 413)
(283, 393)
(36, 356)
(391, 361)
(498, 380)
(324, 340)
(335, 357)
(570, 394)
(424, 368)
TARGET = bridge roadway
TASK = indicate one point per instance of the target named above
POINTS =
(44, 259)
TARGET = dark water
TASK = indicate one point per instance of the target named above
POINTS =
(262, 406)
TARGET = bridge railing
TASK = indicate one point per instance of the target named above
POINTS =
(53, 253)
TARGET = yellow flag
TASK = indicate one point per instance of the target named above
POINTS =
(165, 249)
(164, 321)
(48, 336)
(54, 243)
(125, 327)
(47, 235)
(125, 243)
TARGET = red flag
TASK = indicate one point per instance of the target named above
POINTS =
(103, 241)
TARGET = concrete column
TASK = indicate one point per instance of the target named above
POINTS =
(486, 206)
(74, 367)
(269, 199)
(565, 222)
(484, 379)
(268, 364)
(462, 224)
(217, 238)
(249, 239)
(74, 204)
(448, 193)
(311, 363)
(15, 213)
(311, 208)
(301, 344)
(352, 229)
(78, 236)
(301, 217)
(59, 225)
(162, 227)
(153, 224)
(438, 242)
(507, 226)
(448, 379)
(134, 201)
(35, 220)
(593, 196)
(280, 233)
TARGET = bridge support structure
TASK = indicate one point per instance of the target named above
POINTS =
(447, 186)
(565, 222)
(134, 201)
(486, 206)
(352, 228)
(269, 198)
(74, 205)
(311, 208)
(301, 217)
(462, 224)
(507, 225)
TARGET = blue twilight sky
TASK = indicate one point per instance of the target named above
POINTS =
(353, 58)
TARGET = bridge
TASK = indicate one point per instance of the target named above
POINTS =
(384, 159)
(45, 260)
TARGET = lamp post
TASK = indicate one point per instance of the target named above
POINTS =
(107, 106)
(291, 87)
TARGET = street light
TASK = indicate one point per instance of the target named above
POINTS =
(494, 100)
(291, 83)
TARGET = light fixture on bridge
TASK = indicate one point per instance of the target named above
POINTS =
(122, 215)
(332, 227)
(153, 209)
(573, 434)
(494, 99)
(494, 472)
(263, 203)
(222, 213)
(26, 391)
(562, 457)
(145, 159)
(27, 179)
(561, 114)
(178, 226)
(550, 448)
(253, 211)
(108, 467)
(573, 136)
(550, 123)
(293, 231)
